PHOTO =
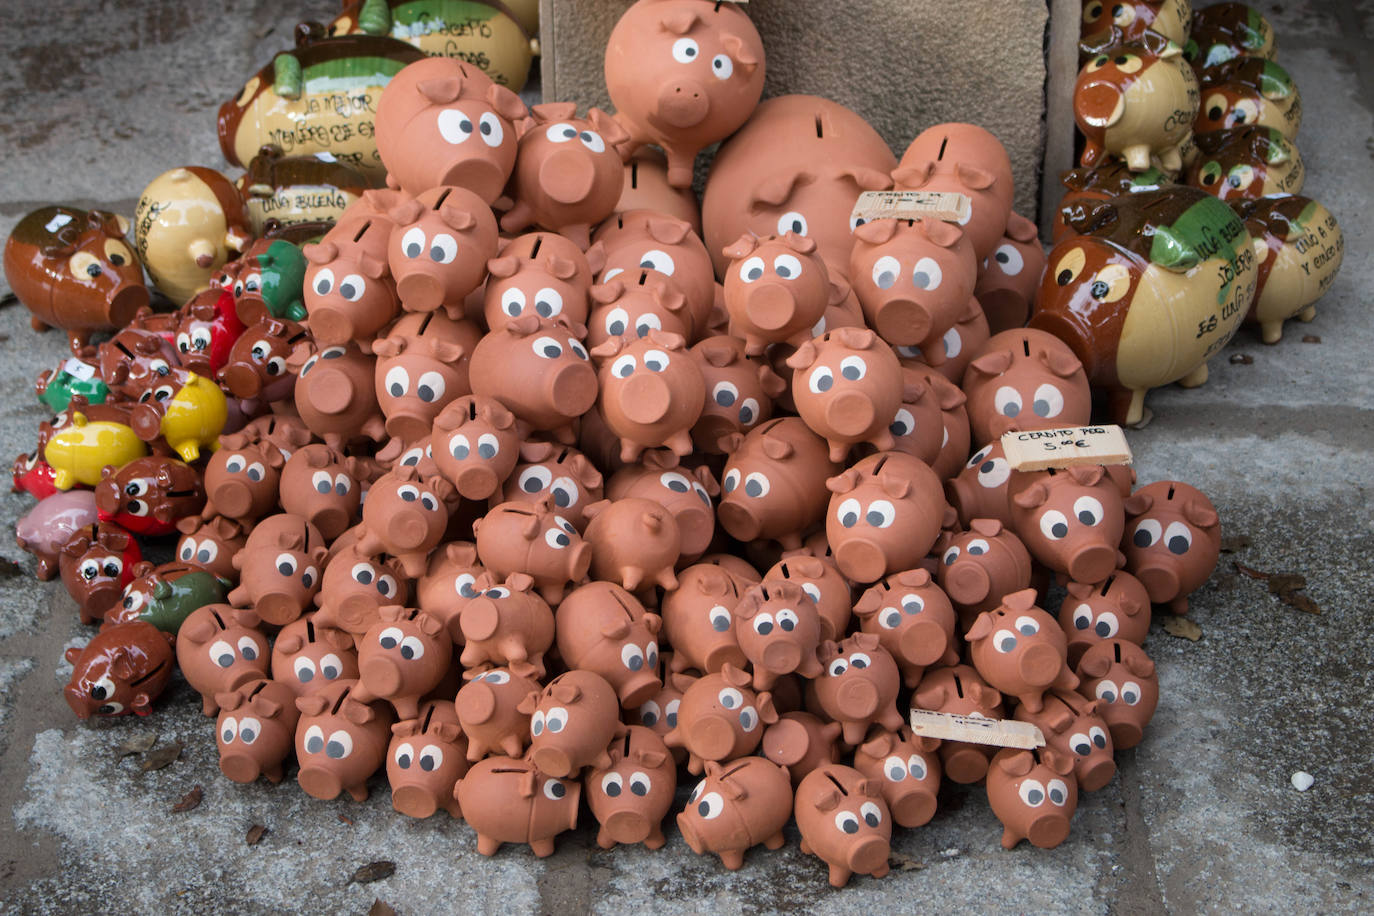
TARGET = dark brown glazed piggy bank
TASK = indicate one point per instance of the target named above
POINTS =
(683, 491)
(844, 821)
(979, 490)
(568, 171)
(220, 649)
(135, 356)
(255, 730)
(442, 121)
(774, 482)
(720, 718)
(510, 801)
(1245, 91)
(682, 75)
(1070, 520)
(1008, 281)
(1033, 794)
(335, 394)
(308, 657)
(241, 478)
(739, 391)
(517, 537)
(779, 630)
(340, 741)
(427, 757)
(1025, 379)
(1122, 678)
(638, 240)
(1116, 608)
(405, 516)
(1244, 162)
(148, 495)
(958, 689)
(847, 384)
(488, 711)
(1020, 649)
(402, 657)
(539, 370)
(256, 367)
(908, 769)
(913, 278)
(349, 292)
(963, 159)
(572, 721)
(319, 484)
(602, 628)
(912, 619)
(630, 798)
(652, 393)
(121, 670)
(801, 742)
(1072, 727)
(506, 625)
(737, 805)
(1173, 541)
(1106, 25)
(420, 369)
(1224, 31)
(822, 580)
(73, 270)
(859, 686)
(776, 289)
(478, 443)
(439, 249)
(698, 622)
(279, 568)
(979, 566)
(885, 514)
(634, 541)
(95, 564)
(541, 274)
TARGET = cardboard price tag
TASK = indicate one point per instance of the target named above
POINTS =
(1038, 449)
(946, 205)
(974, 729)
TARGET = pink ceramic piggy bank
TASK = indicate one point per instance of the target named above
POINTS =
(405, 515)
(822, 580)
(914, 278)
(279, 568)
(1174, 540)
(255, 730)
(979, 490)
(844, 820)
(546, 469)
(422, 365)
(340, 742)
(1025, 379)
(963, 159)
(737, 805)
(885, 514)
(488, 712)
(649, 239)
(601, 627)
(572, 721)
(220, 649)
(349, 292)
(1070, 520)
(630, 797)
(909, 770)
(439, 248)
(510, 801)
(1033, 794)
(632, 305)
(427, 757)
(720, 718)
(354, 589)
(1072, 726)
(683, 491)
(1019, 649)
(401, 658)
(774, 482)
(533, 539)
(776, 289)
(848, 386)
(912, 619)
(652, 393)
(335, 394)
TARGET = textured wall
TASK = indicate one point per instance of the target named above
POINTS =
(902, 64)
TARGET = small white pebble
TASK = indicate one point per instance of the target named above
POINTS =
(951, 852)
(1302, 781)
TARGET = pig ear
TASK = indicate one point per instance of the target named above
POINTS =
(610, 129)
(1060, 763)
(592, 510)
(527, 784)
(312, 705)
(77, 546)
(448, 731)
(197, 631)
(913, 175)
(876, 232)
(320, 252)
(440, 90)
(736, 48)
(926, 743)
(917, 578)
(973, 177)
(405, 727)
(358, 713)
(867, 179)
(565, 692)
(265, 706)
(562, 268)
(1128, 605)
(503, 266)
(651, 758)
(519, 582)
(666, 229)
(530, 529)
(1016, 764)
(987, 527)
(1138, 503)
(428, 625)
(866, 641)
(982, 627)
(734, 791)
(1200, 514)
(828, 800)
(768, 713)
(777, 449)
(730, 442)
(734, 676)
(930, 696)
(596, 257)
(1079, 589)
(615, 628)
(707, 480)
(1139, 665)
(507, 104)
(528, 704)
(1058, 717)
(992, 364)
(1021, 229)
(944, 234)
(771, 383)
(652, 622)
(879, 745)
(827, 650)
(843, 483)
(406, 212)
(950, 396)
(680, 681)
(1086, 475)
(229, 701)
(873, 788)
(586, 472)
(374, 268)
(669, 340)
(1094, 665)
(1022, 600)
(748, 605)
(290, 644)
(775, 190)
(1034, 495)
(608, 348)
(1060, 363)
(895, 486)
(535, 451)
(388, 346)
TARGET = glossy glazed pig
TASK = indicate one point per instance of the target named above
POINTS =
(78, 452)
(134, 356)
(652, 393)
(427, 757)
(479, 443)
(340, 742)
(255, 730)
(207, 331)
(774, 482)
(185, 411)
(779, 630)
(517, 537)
(256, 367)
(510, 801)
(308, 657)
(506, 625)
(980, 565)
(1025, 379)
(634, 542)
(885, 514)
(165, 595)
(95, 564)
(685, 492)
(148, 495)
(1245, 162)
(1225, 31)
(600, 627)
(801, 742)
(1034, 795)
(241, 478)
(1019, 649)
(572, 720)
(737, 805)
(1303, 250)
(1246, 91)
(401, 658)
(439, 247)
(121, 670)
(697, 619)
(1008, 281)
(630, 797)
(1107, 25)
(488, 712)
(859, 686)
(187, 223)
(47, 527)
(1070, 520)
(541, 274)
(279, 568)
(1137, 101)
(908, 770)
(420, 369)
(220, 649)
(776, 289)
(1072, 727)
(844, 821)
(847, 384)
(1116, 608)
(539, 370)
(319, 484)
(958, 689)
(720, 718)
(649, 239)
(914, 278)
(405, 516)
(739, 391)
(913, 621)
(335, 394)
(1173, 541)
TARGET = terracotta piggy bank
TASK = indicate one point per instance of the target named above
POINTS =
(187, 223)
(506, 625)
(720, 718)
(1106, 25)
(1137, 101)
(1249, 90)
(1122, 678)
(647, 188)
(908, 770)
(279, 568)
(1007, 283)
(241, 478)
(698, 622)
(960, 690)
(660, 713)
(539, 370)
(255, 730)
(479, 445)
(1020, 649)
(46, 528)
(980, 488)
(913, 621)
(630, 797)
(739, 391)
(308, 657)
(1243, 162)
(980, 565)
(914, 278)
(822, 581)
(1116, 608)
(1070, 520)
(1025, 379)
(801, 742)
(632, 305)
(964, 159)
(148, 495)
(1073, 728)
(517, 537)
(488, 712)
(439, 248)
(451, 573)
(1033, 794)
(165, 595)
(650, 239)
(121, 670)
(402, 657)
(1174, 541)
(349, 291)
(601, 627)
(96, 563)
(572, 720)
(405, 516)
(442, 121)
(774, 482)
(779, 630)
(652, 393)
(421, 367)
(685, 492)
(844, 821)
(335, 394)
(634, 541)
(683, 75)
(776, 289)
(737, 805)
(319, 484)
(510, 801)
(427, 757)
(848, 387)
(955, 439)
(568, 171)
(885, 514)
(1303, 250)
(859, 686)
(1225, 31)
(541, 274)
(340, 741)
(220, 649)
(256, 367)
(74, 270)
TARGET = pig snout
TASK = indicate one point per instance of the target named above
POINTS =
(638, 689)
(965, 765)
(572, 389)
(968, 583)
(406, 529)
(712, 736)
(567, 175)
(1160, 581)
(1048, 830)
(770, 306)
(1125, 734)
(719, 655)
(552, 760)
(277, 608)
(239, 767)
(913, 808)
(232, 498)
(1092, 562)
(479, 619)
(319, 782)
(383, 676)
(77, 702)
(739, 520)
(627, 827)
(1101, 104)
(868, 855)
(861, 560)
(241, 381)
(858, 698)
(580, 561)
(646, 398)
(682, 103)
(331, 326)
(1039, 665)
(330, 518)
(476, 482)
(476, 703)
(243, 678)
(407, 426)
(331, 391)
(1097, 775)
(414, 801)
(902, 322)
(689, 833)
(781, 656)
(923, 642)
(696, 527)
(420, 292)
(849, 413)
(484, 178)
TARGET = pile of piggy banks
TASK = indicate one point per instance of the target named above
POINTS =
(527, 479)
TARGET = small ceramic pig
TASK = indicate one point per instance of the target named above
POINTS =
(1303, 250)
(774, 482)
(914, 278)
(737, 805)
(220, 649)
(979, 566)
(720, 718)
(308, 658)
(517, 537)
(650, 239)
(340, 741)
(421, 367)
(634, 542)
(451, 574)
(47, 527)
(335, 394)
(1025, 379)
(488, 712)
(697, 619)
(572, 720)
(1105, 27)
(1137, 101)
(630, 797)
(479, 443)
(1244, 162)
(539, 370)
(779, 630)
(256, 367)
(186, 411)
(960, 690)
(885, 514)
(822, 580)
(121, 670)
(439, 247)
(739, 391)
(1116, 608)
(255, 730)
(1008, 281)
(1246, 91)
(1020, 649)
(600, 627)
(632, 305)
(685, 492)
(908, 769)
(913, 621)
(1033, 794)
(1122, 678)
(187, 223)
(241, 478)
(208, 329)
(1225, 31)
(848, 387)
(844, 821)
(646, 188)
(955, 439)
(96, 563)
(427, 757)
(349, 291)
(776, 289)
(1174, 542)
(279, 568)
(980, 488)
(543, 275)
(801, 742)
(1072, 727)
(564, 472)
(405, 515)
(402, 657)
(964, 159)
(148, 495)
(510, 801)
(859, 686)
(136, 355)
(652, 393)
(319, 484)
(506, 625)
(1070, 520)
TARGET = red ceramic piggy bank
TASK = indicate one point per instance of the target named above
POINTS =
(885, 515)
(1070, 520)
(630, 797)
(427, 757)
(488, 711)
(776, 289)
(859, 686)
(1173, 542)
(774, 482)
(95, 564)
(601, 627)
(401, 658)
(845, 822)
(405, 515)
(220, 649)
(1072, 727)
(848, 386)
(478, 443)
(1033, 794)
(914, 278)
(510, 801)
(739, 391)
(1116, 608)
(697, 619)
(963, 159)
(121, 670)
(279, 568)
(421, 368)
(564, 472)
(912, 619)
(318, 483)
(517, 537)
(541, 274)
(634, 542)
(779, 630)
(340, 741)
(737, 805)
(1025, 379)
(539, 370)
(1019, 649)
(335, 394)
(255, 730)
(241, 478)
(720, 718)
(572, 721)
(958, 689)
(652, 393)
(1007, 283)
(308, 657)
(506, 625)
(1122, 678)
(979, 566)
(909, 772)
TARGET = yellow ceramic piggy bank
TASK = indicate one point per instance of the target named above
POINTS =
(78, 452)
(188, 417)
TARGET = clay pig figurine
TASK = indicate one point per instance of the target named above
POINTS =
(1174, 541)
(1249, 90)
(79, 453)
(478, 443)
(256, 367)
(121, 670)
(739, 391)
(685, 492)
(630, 797)
(1072, 726)
(46, 528)
(652, 393)
(958, 689)
(1253, 161)
(1303, 250)
(631, 305)
(774, 482)
(737, 805)
(651, 239)
(439, 248)
(634, 541)
(801, 742)
(510, 801)
(964, 159)
(541, 274)
(1020, 650)
(517, 537)
(220, 649)
(539, 370)
(420, 369)
(241, 478)
(427, 757)
(979, 566)
(779, 630)
(776, 289)
(848, 386)
(1070, 520)
(335, 393)
(507, 625)
(489, 714)
(909, 770)
(349, 292)
(720, 718)
(885, 514)
(1034, 795)
(211, 544)
(603, 628)
(1008, 281)
(912, 619)
(572, 721)
(405, 516)
(1225, 31)
(1117, 607)
(914, 278)
(279, 568)
(166, 595)
(96, 563)
(308, 657)
(255, 730)
(845, 822)
(1025, 379)
(401, 658)
(340, 742)
(1122, 678)
(698, 622)
(322, 486)
(816, 573)
(859, 686)
(187, 223)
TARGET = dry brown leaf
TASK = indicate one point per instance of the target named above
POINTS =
(904, 863)
(255, 834)
(373, 871)
(190, 801)
(346, 819)
(161, 757)
(1284, 584)
(140, 745)
(1249, 571)
(1235, 543)
(1311, 338)
(1182, 627)
(1301, 602)
(379, 908)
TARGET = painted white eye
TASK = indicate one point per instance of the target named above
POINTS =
(916, 766)
(1080, 744)
(386, 586)
(547, 348)
(561, 132)
(249, 730)
(548, 302)
(90, 568)
(612, 784)
(685, 50)
(352, 287)
(616, 322)
(848, 513)
(221, 653)
(184, 342)
(390, 638)
(926, 274)
(646, 323)
(323, 283)
(1009, 260)
(314, 739)
(847, 822)
(431, 758)
(722, 67)
(428, 501)
(951, 555)
(880, 514)
(731, 481)
(710, 806)
(200, 339)
(894, 769)
(498, 677)
(952, 342)
(339, 745)
(564, 491)
(404, 756)
(1107, 625)
(1130, 693)
(756, 485)
(463, 585)
(993, 473)
(640, 783)
(890, 618)
(331, 666)
(655, 360)
(412, 648)
(458, 446)
(853, 368)
(285, 564)
(670, 712)
(787, 266)
(885, 271)
(631, 656)
(1098, 736)
(260, 350)
(855, 222)
(624, 366)
(748, 412)
(408, 492)
(979, 456)
(443, 248)
(651, 656)
(1106, 691)
(454, 126)
(977, 547)
(1048, 401)
(556, 719)
(535, 479)
(860, 660)
(792, 221)
(1058, 792)
(1147, 533)
(748, 718)
(132, 600)
(751, 269)
(730, 698)
(696, 792)
(661, 261)
(763, 624)
(720, 618)
(578, 350)
(430, 387)
(513, 301)
(674, 481)
(249, 648)
(1032, 792)
(304, 668)
(724, 394)
(397, 382)
(489, 126)
(537, 723)
(1178, 538)
(488, 446)
(1054, 525)
(555, 789)
(228, 730)
(1082, 617)
(256, 471)
(872, 814)
(592, 141)
(837, 667)
(613, 272)
(788, 619)
(649, 714)
(1007, 400)
(1088, 510)
(276, 366)
(820, 380)
(413, 242)
(1004, 641)
(1027, 626)
(309, 364)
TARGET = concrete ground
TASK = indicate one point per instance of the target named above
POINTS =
(1201, 816)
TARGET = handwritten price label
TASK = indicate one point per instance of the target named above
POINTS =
(998, 732)
(1038, 449)
(946, 205)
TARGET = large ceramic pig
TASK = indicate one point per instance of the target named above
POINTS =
(1025, 379)
(121, 670)
(421, 367)
(630, 797)
(844, 821)
(652, 240)
(506, 625)
(1174, 541)
(47, 527)
(885, 514)
(564, 472)
(847, 384)
(683, 491)
(340, 741)
(319, 484)
(1243, 162)
(279, 568)
(539, 370)
(220, 649)
(652, 393)
(908, 768)
(912, 619)
(1246, 91)
(958, 689)
(1008, 280)
(517, 537)
(439, 248)
(541, 274)
(682, 75)
(720, 718)
(1034, 795)
(737, 805)
(402, 657)
(774, 482)
(406, 516)
(427, 757)
(96, 563)
(1116, 608)
(510, 801)
(779, 630)
(308, 658)
(776, 288)
(739, 391)
(1020, 649)
(1303, 250)
(241, 478)
(697, 619)
(572, 720)
(914, 278)
(255, 730)
(488, 711)
(1072, 726)
(634, 541)
(1070, 520)
(600, 627)
(335, 394)
(979, 566)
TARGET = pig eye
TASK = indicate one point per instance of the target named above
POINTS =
(837, 667)
(408, 493)
(564, 495)
(390, 638)
(260, 350)
(592, 141)
(343, 483)
(513, 302)
(249, 729)
(222, 654)
(763, 624)
(711, 806)
(285, 564)
(248, 648)
(397, 382)
(1110, 283)
(331, 667)
(200, 339)
(951, 555)
(431, 758)
(722, 67)
(670, 712)
(489, 126)
(412, 648)
(314, 739)
(554, 789)
(661, 261)
(649, 714)
(305, 669)
(1004, 641)
(430, 387)
(749, 718)
(455, 126)
(228, 730)
(787, 619)
(655, 360)
(992, 474)
(894, 768)
(1128, 63)
(880, 514)
(1059, 792)
(720, 618)
(413, 242)
(610, 274)
(926, 274)
(617, 320)
(548, 302)
(731, 480)
(547, 348)
(386, 586)
(890, 618)
(1246, 112)
(756, 485)
(748, 412)
(821, 380)
(322, 482)
(853, 368)
(1088, 510)
(133, 602)
(405, 755)
(1009, 260)
(885, 271)
(498, 677)
(624, 366)
(848, 513)
(1032, 792)
(751, 269)
(631, 656)
(651, 655)
(873, 815)
(675, 482)
(256, 471)
(1027, 626)
(1054, 525)
(724, 394)
(578, 350)
(1007, 400)
(647, 323)
(1099, 736)
(847, 822)
(1178, 538)
(1130, 693)
(136, 487)
(90, 568)
(498, 592)
(1080, 745)
(792, 221)
(537, 724)
(188, 553)
(309, 364)
(561, 132)
(977, 547)
(685, 50)
(916, 766)
(640, 783)
(339, 745)
(488, 446)
(902, 424)
(1070, 266)
(428, 501)
(787, 266)
(556, 538)
(458, 446)
(860, 660)
(1107, 625)
(443, 248)
(730, 698)
(612, 784)
(1148, 533)
(555, 719)
(1048, 401)
(463, 585)
(1082, 617)
(1106, 691)
(979, 456)
(352, 287)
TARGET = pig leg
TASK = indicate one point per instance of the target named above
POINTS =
(655, 840)
(839, 875)
(564, 434)
(1179, 605)
(208, 705)
(775, 842)
(881, 871)
(511, 745)
(1034, 702)
(542, 848)
(239, 597)
(883, 441)
(487, 846)
(552, 593)
(1009, 839)
(1092, 153)
(666, 579)
(891, 720)
(358, 792)
(515, 219)
(406, 708)
(1137, 157)
(732, 859)
(853, 732)
(680, 164)
(1195, 378)
(629, 451)
(453, 809)
(39, 324)
(1307, 314)
(1271, 332)
(1066, 680)
(680, 442)
(839, 451)
(273, 773)
(631, 576)
(790, 541)
(603, 839)
(806, 848)
(1171, 159)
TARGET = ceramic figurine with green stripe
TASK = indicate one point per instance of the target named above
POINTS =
(166, 595)
(1246, 162)
(1249, 91)
(1223, 32)
(1302, 253)
(1101, 182)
